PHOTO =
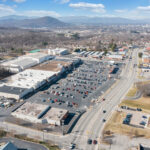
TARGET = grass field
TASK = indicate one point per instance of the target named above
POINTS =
(114, 125)
(143, 103)
(132, 92)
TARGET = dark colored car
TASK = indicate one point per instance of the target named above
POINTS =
(139, 109)
(104, 111)
(104, 120)
(89, 141)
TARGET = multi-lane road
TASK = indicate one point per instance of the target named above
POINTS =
(91, 124)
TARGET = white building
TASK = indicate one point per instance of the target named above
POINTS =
(39, 113)
(31, 112)
(58, 51)
(115, 57)
(13, 92)
(18, 85)
(26, 61)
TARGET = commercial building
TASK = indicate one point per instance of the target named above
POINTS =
(58, 51)
(39, 113)
(26, 61)
(55, 116)
(146, 58)
(31, 112)
(115, 57)
(13, 92)
(20, 84)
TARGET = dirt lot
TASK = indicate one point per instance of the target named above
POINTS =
(143, 103)
(114, 125)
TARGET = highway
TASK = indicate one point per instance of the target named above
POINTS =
(91, 123)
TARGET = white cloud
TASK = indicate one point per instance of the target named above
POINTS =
(141, 8)
(19, 1)
(6, 10)
(40, 13)
(99, 8)
(121, 10)
(64, 1)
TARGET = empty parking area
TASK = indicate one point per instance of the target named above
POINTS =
(78, 88)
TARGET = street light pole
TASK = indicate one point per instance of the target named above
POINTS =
(43, 136)
(62, 124)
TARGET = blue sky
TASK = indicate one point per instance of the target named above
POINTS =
(135, 9)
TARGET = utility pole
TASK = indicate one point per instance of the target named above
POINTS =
(43, 136)
(62, 124)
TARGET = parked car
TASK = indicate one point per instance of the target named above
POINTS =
(139, 109)
(142, 123)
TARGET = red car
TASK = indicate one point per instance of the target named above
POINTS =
(103, 99)
(94, 142)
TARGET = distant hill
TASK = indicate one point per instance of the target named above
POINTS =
(69, 21)
(42, 22)
(100, 20)
(15, 17)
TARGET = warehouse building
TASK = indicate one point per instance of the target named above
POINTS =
(58, 51)
(26, 61)
(25, 82)
(31, 112)
(39, 113)
(115, 57)
(13, 92)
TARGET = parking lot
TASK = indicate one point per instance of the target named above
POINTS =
(78, 88)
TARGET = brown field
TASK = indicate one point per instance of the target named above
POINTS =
(143, 103)
(114, 125)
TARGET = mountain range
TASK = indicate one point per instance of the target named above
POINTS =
(101, 20)
(25, 22)
(50, 22)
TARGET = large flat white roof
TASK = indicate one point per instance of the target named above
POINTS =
(26, 60)
(29, 78)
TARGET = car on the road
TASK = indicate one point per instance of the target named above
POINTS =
(72, 146)
(104, 111)
(104, 120)
(94, 142)
(89, 141)
(103, 99)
